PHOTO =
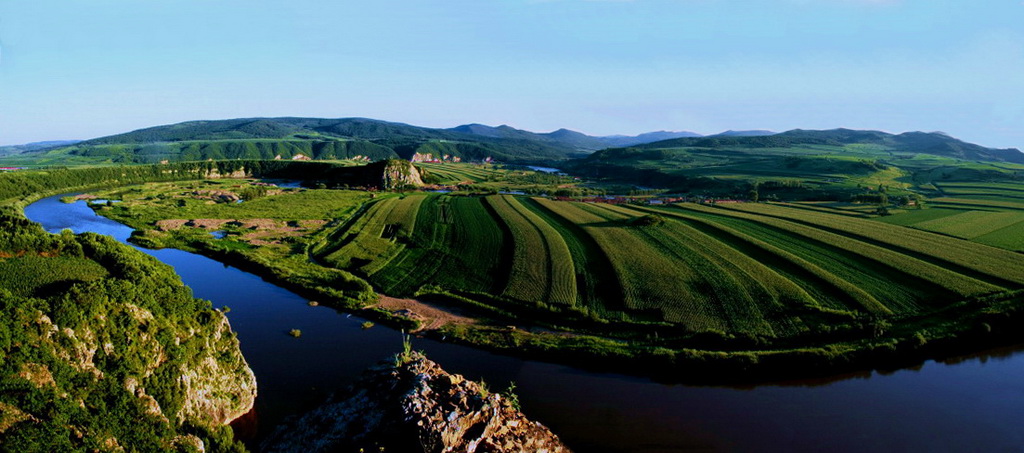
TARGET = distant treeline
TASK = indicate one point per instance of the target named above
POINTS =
(152, 153)
(320, 138)
(26, 185)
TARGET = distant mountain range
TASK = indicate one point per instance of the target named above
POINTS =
(376, 130)
(566, 137)
(754, 133)
(934, 143)
(29, 147)
(322, 138)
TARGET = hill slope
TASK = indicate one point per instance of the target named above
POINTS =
(322, 138)
(935, 143)
(37, 146)
(803, 164)
(286, 138)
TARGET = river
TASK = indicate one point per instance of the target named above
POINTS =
(976, 404)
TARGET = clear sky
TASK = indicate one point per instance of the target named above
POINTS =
(74, 69)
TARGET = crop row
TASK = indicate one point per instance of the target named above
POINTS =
(903, 282)
(27, 275)
(968, 187)
(651, 281)
(1009, 237)
(922, 215)
(979, 203)
(542, 267)
(854, 282)
(1004, 266)
(474, 248)
(417, 262)
(596, 281)
(363, 244)
(765, 270)
(971, 224)
(752, 296)
(826, 208)
(402, 218)
(456, 172)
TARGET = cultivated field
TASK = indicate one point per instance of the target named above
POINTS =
(754, 271)
(990, 213)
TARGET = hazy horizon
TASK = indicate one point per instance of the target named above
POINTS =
(80, 70)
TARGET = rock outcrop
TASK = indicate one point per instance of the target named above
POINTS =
(120, 359)
(398, 174)
(218, 385)
(415, 406)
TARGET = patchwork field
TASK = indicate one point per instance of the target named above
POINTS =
(990, 213)
(732, 270)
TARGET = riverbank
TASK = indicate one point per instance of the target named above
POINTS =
(962, 328)
(969, 405)
(302, 248)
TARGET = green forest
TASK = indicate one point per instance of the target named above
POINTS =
(95, 338)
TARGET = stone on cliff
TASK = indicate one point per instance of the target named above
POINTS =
(415, 406)
(399, 174)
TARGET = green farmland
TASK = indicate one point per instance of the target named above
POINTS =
(726, 277)
(990, 213)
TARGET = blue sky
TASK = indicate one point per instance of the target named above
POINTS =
(86, 68)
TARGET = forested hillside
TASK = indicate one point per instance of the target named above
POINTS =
(327, 139)
(838, 164)
(286, 138)
(102, 348)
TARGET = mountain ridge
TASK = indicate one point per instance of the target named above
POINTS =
(935, 143)
(35, 146)
(366, 138)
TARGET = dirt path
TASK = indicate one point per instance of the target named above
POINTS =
(431, 316)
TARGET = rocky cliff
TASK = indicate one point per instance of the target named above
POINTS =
(103, 349)
(398, 174)
(415, 406)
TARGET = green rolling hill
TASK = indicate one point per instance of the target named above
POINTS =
(803, 164)
(836, 164)
(324, 139)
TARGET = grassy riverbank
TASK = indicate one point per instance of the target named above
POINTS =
(733, 292)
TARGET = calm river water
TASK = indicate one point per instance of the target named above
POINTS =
(974, 405)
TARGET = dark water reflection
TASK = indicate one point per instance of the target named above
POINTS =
(974, 404)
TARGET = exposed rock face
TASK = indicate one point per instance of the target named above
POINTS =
(214, 381)
(415, 407)
(219, 387)
(217, 382)
(399, 173)
(120, 358)
(237, 174)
